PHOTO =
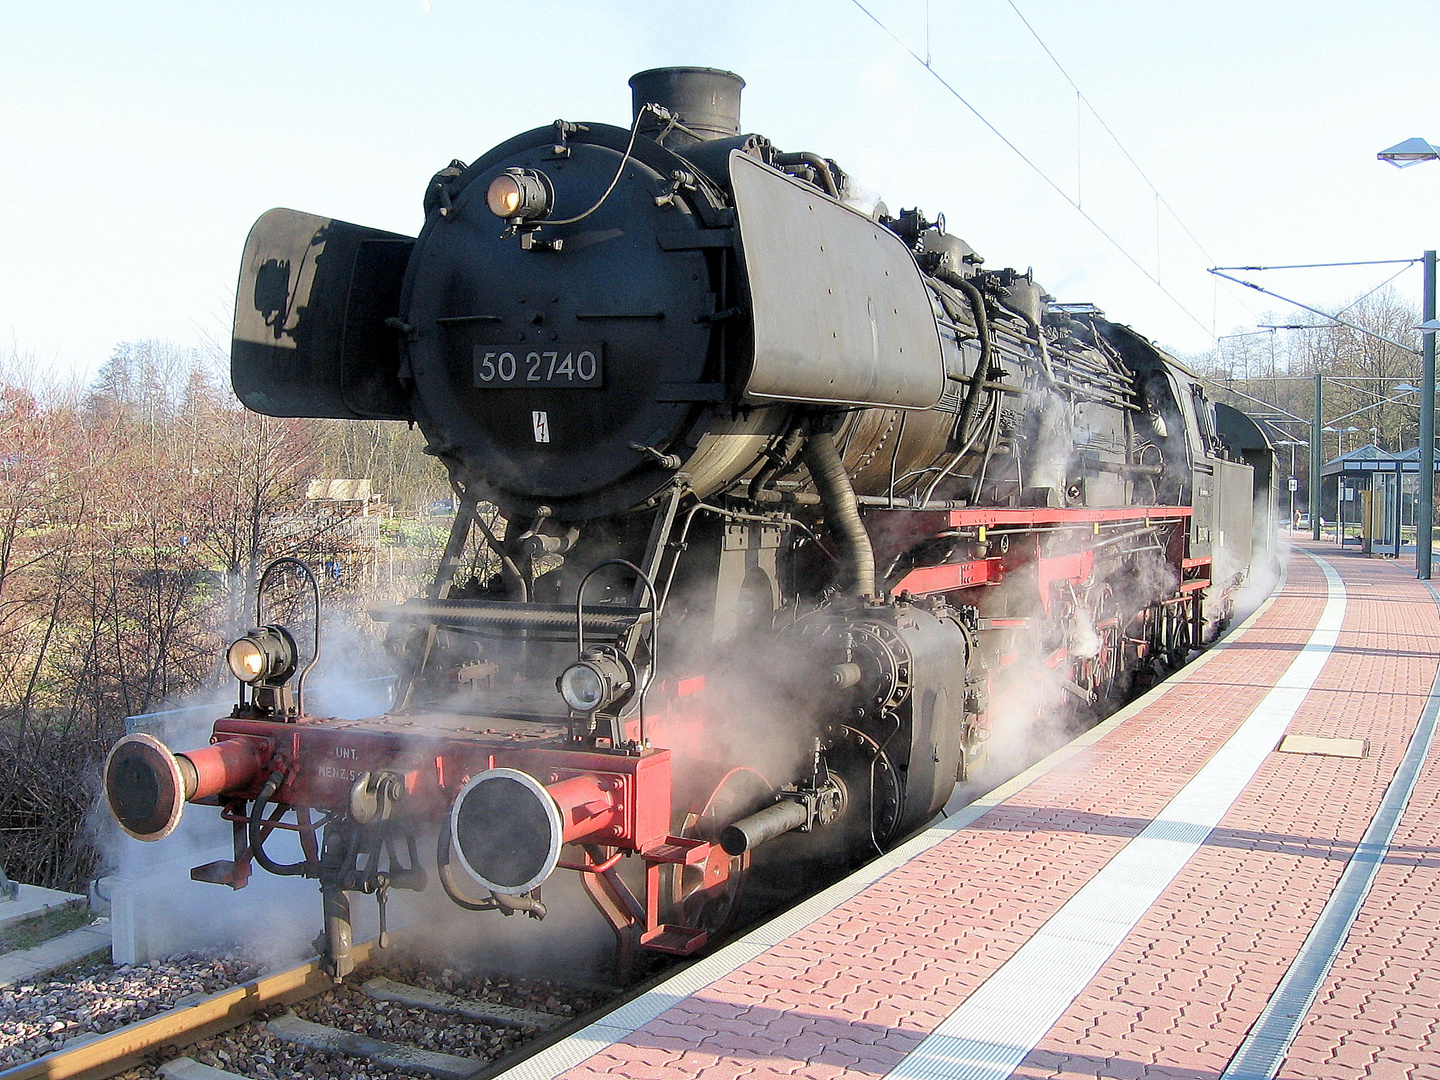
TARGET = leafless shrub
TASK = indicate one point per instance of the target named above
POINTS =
(135, 517)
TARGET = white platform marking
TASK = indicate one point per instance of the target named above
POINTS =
(994, 1029)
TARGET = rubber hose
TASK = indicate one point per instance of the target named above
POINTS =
(447, 877)
(982, 368)
(779, 460)
(257, 842)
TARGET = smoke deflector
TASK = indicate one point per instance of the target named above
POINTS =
(813, 341)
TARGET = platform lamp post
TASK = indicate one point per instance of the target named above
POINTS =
(1339, 433)
(1408, 388)
(1410, 152)
(1292, 483)
(1402, 156)
(1425, 512)
(1317, 458)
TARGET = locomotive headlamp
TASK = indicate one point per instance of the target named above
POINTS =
(599, 678)
(582, 687)
(519, 195)
(264, 656)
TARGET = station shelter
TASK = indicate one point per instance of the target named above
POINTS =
(1375, 498)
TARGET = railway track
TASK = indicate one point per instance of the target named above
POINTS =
(403, 1021)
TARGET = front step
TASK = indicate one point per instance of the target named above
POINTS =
(674, 940)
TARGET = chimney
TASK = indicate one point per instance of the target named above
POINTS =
(706, 100)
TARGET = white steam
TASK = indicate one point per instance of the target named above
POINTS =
(156, 909)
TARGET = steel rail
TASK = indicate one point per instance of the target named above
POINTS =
(128, 1046)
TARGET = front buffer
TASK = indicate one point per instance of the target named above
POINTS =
(504, 806)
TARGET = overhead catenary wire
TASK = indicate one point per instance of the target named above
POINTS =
(1160, 199)
(1080, 94)
(1322, 266)
(1035, 168)
(1361, 299)
(1224, 384)
(1404, 265)
(1219, 272)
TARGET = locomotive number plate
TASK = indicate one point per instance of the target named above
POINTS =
(553, 366)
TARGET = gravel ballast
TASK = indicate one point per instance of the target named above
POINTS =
(40, 1018)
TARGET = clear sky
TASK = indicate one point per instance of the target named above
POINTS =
(141, 139)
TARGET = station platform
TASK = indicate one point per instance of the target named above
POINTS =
(1237, 876)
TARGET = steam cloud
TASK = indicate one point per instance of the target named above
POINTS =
(156, 908)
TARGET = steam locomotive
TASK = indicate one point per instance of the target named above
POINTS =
(797, 499)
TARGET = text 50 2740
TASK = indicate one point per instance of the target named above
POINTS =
(556, 366)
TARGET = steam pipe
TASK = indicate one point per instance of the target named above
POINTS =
(778, 460)
(1100, 377)
(527, 904)
(1097, 372)
(1101, 394)
(837, 495)
(785, 816)
(1041, 344)
(447, 878)
(816, 162)
(977, 485)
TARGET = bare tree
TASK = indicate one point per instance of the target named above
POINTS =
(135, 517)
(1360, 369)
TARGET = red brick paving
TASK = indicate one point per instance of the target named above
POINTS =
(1377, 1015)
(1212, 950)
(856, 990)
